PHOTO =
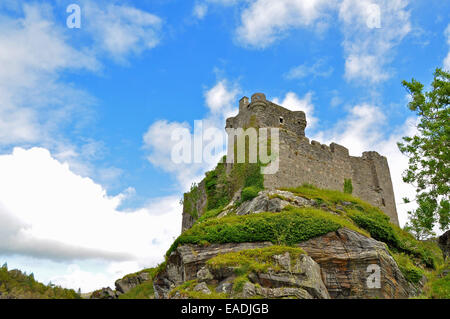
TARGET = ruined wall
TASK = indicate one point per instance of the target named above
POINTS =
(325, 166)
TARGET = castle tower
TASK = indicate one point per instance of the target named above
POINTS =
(259, 112)
(302, 161)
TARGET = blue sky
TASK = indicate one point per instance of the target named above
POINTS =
(88, 191)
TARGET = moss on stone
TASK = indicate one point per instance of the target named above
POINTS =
(291, 226)
(254, 260)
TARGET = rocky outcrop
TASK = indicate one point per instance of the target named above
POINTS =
(350, 262)
(104, 293)
(129, 282)
(444, 243)
(340, 264)
(184, 263)
(271, 201)
(300, 278)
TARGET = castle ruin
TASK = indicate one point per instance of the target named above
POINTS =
(302, 161)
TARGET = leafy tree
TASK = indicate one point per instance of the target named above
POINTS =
(429, 155)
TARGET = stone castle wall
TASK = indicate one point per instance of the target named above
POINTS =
(325, 166)
(302, 161)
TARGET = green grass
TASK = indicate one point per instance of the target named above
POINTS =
(186, 290)
(145, 289)
(210, 214)
(142, 291)
(289, 227)
(437, 285)
(411, 272)
(254, 260)
(327, 196)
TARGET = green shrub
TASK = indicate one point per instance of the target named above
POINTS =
(249, 193)
(210, 214)
(411, 272)
(289, 227)
(379, 227)
(348, 187)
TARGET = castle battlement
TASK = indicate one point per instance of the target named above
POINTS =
(263, 113)
(303, 161)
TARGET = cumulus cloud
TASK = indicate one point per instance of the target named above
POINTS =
(220, 101)
(292, 102)
(317, 69)
(32, 100)
(49, 212)
(121, 30)
(265, 21)
(372, 29)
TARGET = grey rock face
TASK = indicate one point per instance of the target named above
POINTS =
(249, 290)
(225, 287)
(203, 288)
(129, 282)
(104, 293)
(204, 275)
(300, 278)
(184, 263)
(273, 201)
(346, 259)
(304, 274)
(285, 292)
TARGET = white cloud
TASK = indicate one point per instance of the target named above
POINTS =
(318, 69)
(265, 21)
(32, 100)
(368, 49)
(292, 102)
(220, 100)
(200, 10)
(201, 7)
(49, 212)
(121, 30)
(369, 37)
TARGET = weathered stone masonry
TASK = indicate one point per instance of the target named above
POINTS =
(302, 161)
